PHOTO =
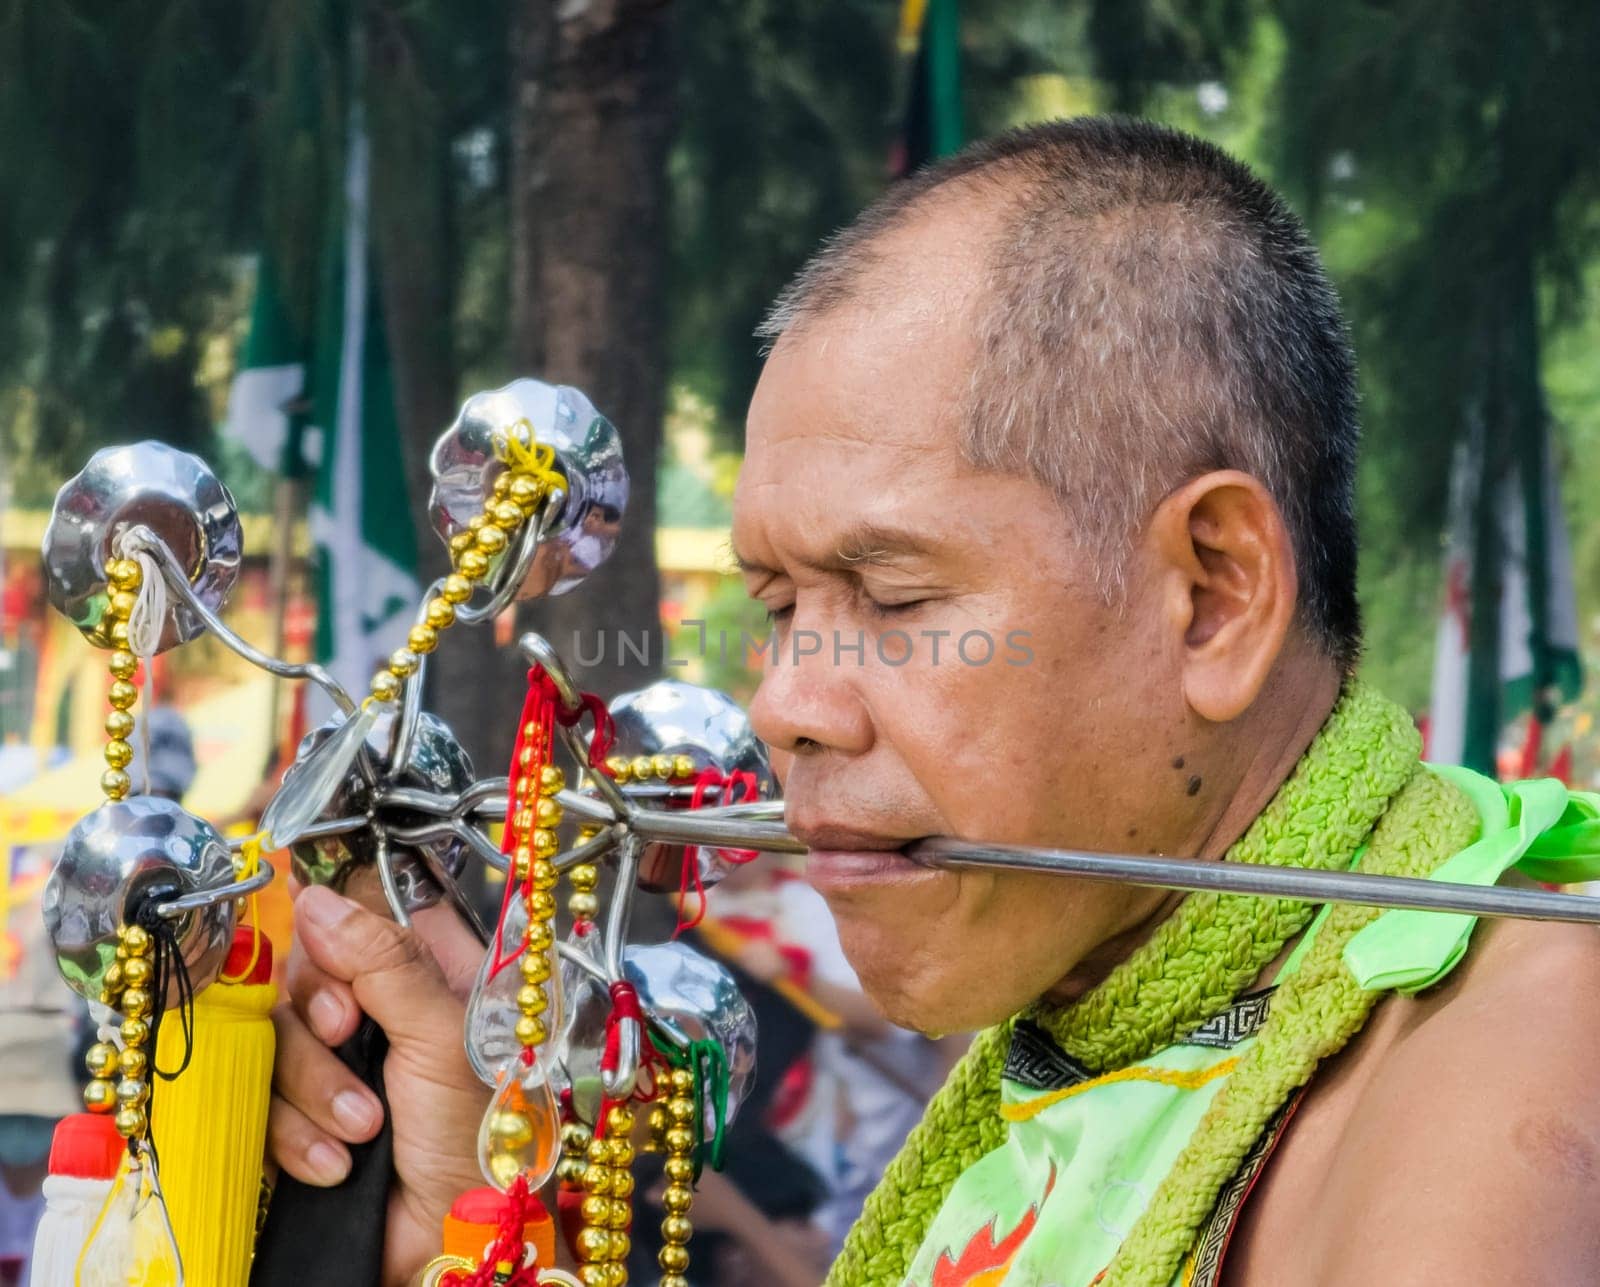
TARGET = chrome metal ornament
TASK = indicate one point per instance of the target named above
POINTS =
(170, 492)
(437, 763)
(118, 859)
(693, 997)
(583, 529)
(673, 718)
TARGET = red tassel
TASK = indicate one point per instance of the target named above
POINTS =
(539, 714)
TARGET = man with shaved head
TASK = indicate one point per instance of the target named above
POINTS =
(1049, 495)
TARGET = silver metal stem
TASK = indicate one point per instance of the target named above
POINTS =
(619, 1080)
(316, 831)
(591, 850)
(620, 912)
(705, 827)
(536, 650)
(414, 798)
(178, 583)
(172, 908)
(585, 808)
(1263, 881)
(456, 895)
(386, 877)
(513, 571)
(428, 833)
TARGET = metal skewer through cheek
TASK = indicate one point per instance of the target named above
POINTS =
(731, 828)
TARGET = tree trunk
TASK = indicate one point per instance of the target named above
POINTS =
(592, 120)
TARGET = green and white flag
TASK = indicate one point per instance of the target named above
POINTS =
(266, 399)
(323, 407)
(360, 517)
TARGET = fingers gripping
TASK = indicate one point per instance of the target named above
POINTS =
(390, 971)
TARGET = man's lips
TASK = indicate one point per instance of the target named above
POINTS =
(842, 858)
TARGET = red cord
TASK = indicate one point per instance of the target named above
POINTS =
(738, 787)
(604, 734)
(507, 1247)
(625, 1008)
(538, 711)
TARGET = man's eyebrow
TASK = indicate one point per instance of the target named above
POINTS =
(872, 544)
(746, 566)
(867, 545)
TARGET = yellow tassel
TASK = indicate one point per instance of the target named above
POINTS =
(210, 1124)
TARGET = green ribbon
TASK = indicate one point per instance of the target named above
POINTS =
(1547, 832)
(709, 1063)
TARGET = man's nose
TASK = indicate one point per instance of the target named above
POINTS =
(810, 697)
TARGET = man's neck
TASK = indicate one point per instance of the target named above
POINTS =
(1281, 733)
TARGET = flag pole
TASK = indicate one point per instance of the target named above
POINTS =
(280, 563)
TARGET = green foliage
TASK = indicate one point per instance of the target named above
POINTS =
(784, 131)
(115, 237)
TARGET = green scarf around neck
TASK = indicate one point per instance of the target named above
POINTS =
(1359, 783)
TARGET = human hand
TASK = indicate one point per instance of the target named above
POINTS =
(412, 983)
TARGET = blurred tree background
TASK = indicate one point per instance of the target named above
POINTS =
(608, 192)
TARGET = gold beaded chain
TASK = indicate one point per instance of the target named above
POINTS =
(517, 494)
(575, 1138)
(583, 905)
(642, 768)
(607, 1209)
(545, 813)
(125, 578)
(674, 1130)
(127, 990)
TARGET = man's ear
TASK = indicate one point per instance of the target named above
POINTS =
(1225, 557)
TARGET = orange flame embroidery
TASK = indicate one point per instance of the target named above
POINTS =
(983, 1261)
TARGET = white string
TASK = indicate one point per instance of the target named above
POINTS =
(149, 614)
(145, 624)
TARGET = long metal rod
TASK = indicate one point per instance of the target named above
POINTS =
(759, 826)
(701, 828)
(1264, 881)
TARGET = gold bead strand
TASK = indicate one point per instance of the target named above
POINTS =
(575, 1137)
(678, 1141)
(619, 1132)
(541, 905)
(127, 990)
(593, 1244)
(517, 494)
(607, 1210)
(125, 578)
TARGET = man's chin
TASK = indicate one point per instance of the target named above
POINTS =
(908, 984)
(932, 1013)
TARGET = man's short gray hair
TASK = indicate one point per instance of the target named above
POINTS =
(1154, 312)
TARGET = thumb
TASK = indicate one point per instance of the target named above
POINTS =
(391, 971)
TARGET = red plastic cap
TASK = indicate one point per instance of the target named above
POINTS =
(239, 957)
(86, 1145)
(486, 1206)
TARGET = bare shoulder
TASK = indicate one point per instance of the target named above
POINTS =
(1519, 1018)
(1458, 1139)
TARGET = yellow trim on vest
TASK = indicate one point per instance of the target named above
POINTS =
(1181, 1078)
